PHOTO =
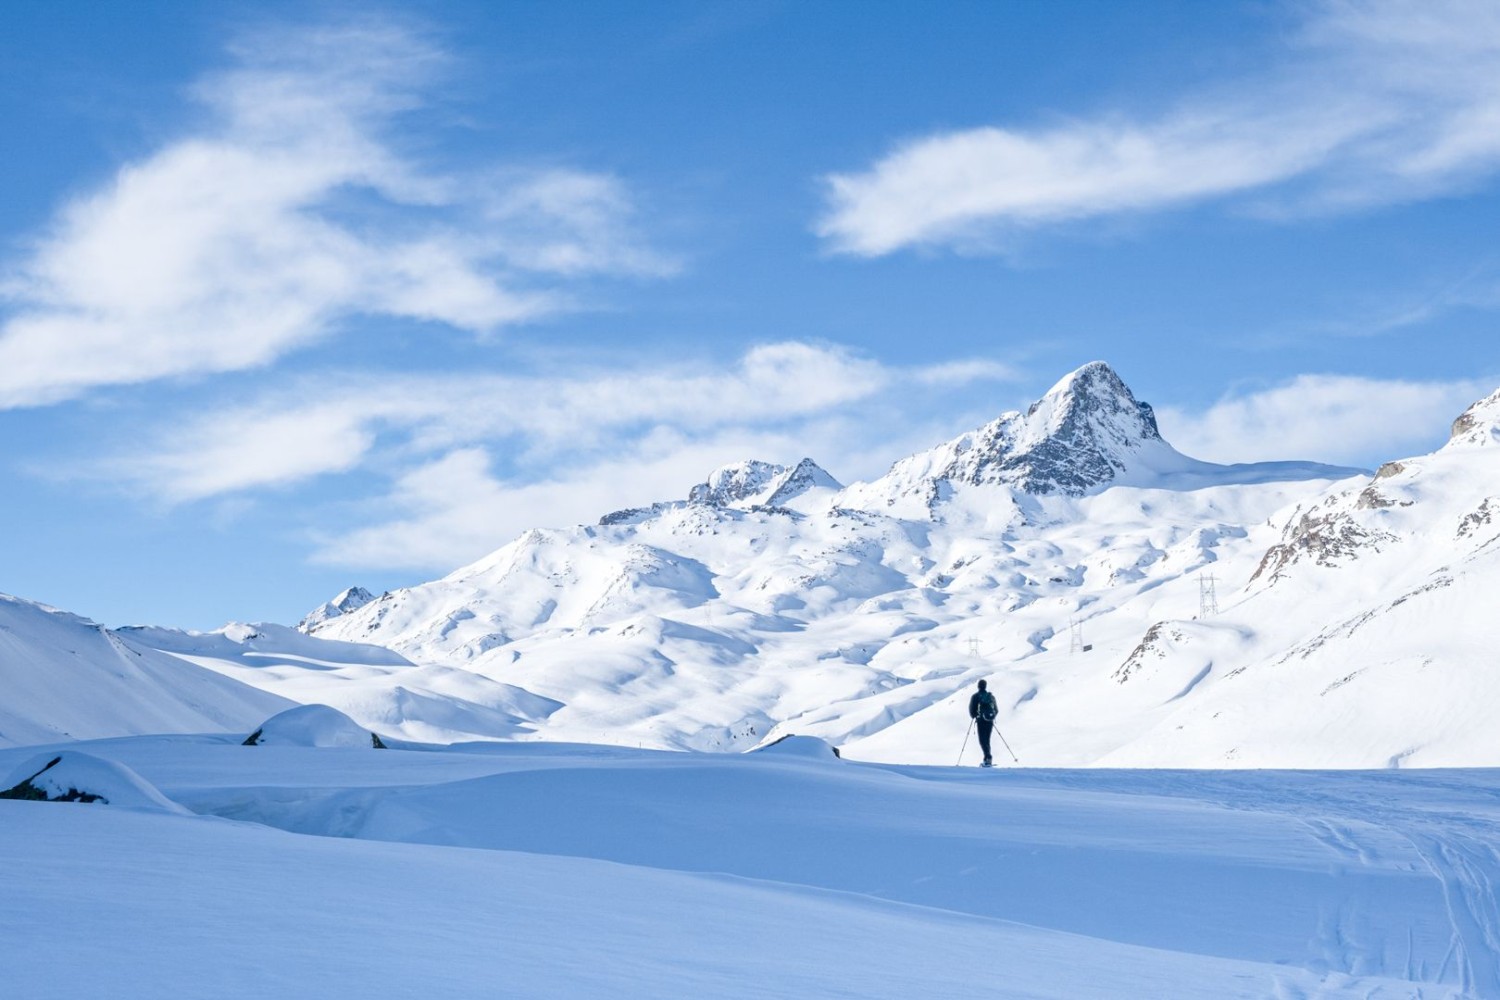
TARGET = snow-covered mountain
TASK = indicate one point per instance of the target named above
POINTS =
(1129, 605)
(1068, 553)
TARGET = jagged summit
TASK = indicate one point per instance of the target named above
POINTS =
(346, 601)
(804, 477)
(1094, 394)
(761, 483)
(736, 482)
(1084, 433)
(1081, 434)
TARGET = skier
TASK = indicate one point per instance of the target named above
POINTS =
(982, 709)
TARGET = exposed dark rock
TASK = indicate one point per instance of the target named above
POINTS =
(29, 792)
(1150, 645)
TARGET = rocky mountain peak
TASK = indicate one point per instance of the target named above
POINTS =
(736, 482)
(1094, 393)
(1080, 435)
(806, 475)
(761, 483)
(1479, 424)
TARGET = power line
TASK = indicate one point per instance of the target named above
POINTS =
(1075, 637)
(1208, 598)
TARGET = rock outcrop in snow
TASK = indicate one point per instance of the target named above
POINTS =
(761, 484)
(69, 776)
(348, 600)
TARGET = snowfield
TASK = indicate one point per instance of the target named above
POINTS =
(565, 871)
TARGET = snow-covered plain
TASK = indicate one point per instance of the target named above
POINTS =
(550, 870)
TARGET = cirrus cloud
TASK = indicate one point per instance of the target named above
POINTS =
(1339, 419)
(1378, 101)
(471, 459)
(288, 212)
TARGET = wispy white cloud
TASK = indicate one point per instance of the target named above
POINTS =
(289, 211)
(1378, 101)
(475, 458)
(1339, 419)
(455, 508)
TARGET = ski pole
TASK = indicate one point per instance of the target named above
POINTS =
(1007, 746)
(966, 744)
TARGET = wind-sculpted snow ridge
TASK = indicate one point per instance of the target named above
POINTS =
(65, 677)
(313, 726)
(380, 689)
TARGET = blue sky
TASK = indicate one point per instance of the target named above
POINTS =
(294, 297)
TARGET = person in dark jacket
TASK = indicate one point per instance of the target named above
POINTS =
(982, 709)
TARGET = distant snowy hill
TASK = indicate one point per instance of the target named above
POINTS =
(380, 689)
(65, 677)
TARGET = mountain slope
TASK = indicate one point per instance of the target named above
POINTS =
(380, 689)
(66, 677)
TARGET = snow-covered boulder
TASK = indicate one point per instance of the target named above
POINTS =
(804, 747)
(77, 777)
(313, 726)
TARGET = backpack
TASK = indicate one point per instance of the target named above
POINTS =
(987, 707)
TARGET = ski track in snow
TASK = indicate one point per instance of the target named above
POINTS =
(1455, 848)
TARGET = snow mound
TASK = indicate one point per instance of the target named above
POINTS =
(70, 776)
(805, 747)
(313, 726)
